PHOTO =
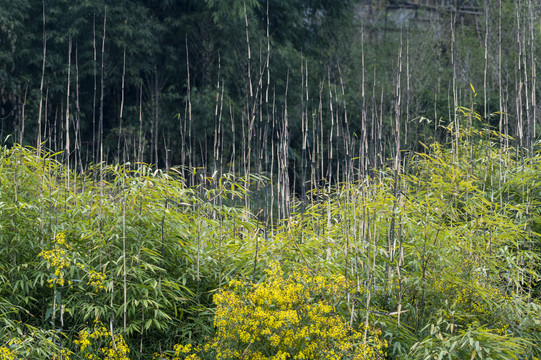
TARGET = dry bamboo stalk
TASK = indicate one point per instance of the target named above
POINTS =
(317, 120)
(273, 156)
(102, 86)
(283, 153)
(500, 87)
(408, 89)
(54, 129)
(47, 129)
(121, 106)
(156, 117)
(41, 82)
(328, 176)
(373, 127)
(519, 82)
(249, 53)
(78, 140)
(94, 62)
(304, 128)
(363, 146)
(244, 147)
(66, 129)
(485, 85)
(532, 125)
(189, 108)
(346, 134)
(379, 148)
(140, 148)
(23, 107)
(216, 150)
(124, 276)
(221, 132)
(455, 118)
(232, 168)
(250, 114)
(398, 109)
(527, 99)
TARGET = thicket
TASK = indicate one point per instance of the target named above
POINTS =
(325, 137)
(440, 261)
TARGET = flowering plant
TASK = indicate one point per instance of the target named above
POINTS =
(288, 317)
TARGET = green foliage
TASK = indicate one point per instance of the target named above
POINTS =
(442, 259)
(62, 253)
(445, 342)
(296, 316)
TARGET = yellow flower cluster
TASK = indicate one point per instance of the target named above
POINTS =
(60, 260)
(184, 349)
(64, 354)
(6, 354)
(288, 317)
(96, 280)
(185, 352)
(99, 345)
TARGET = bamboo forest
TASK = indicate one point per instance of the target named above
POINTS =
(270, 179)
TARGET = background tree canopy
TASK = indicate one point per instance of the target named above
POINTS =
(206, 83)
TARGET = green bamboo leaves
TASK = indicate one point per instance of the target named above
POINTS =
(444, 259)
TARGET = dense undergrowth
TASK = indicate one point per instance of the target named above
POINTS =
(441, 261)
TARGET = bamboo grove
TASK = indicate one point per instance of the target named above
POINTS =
(289, 88)
(270, 180)
(442, 260)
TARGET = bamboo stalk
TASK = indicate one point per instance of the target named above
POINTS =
(94, 62)
(121, 105)
(485, 85)
(78, 159)
(124, 274)
(41, 81)
(102, 87)
(67, 127)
